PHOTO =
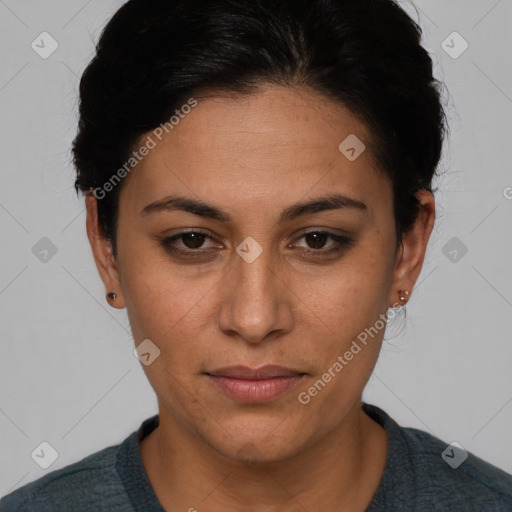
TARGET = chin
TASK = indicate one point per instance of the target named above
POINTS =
(257, 446)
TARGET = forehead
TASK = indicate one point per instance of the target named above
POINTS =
(263, 147)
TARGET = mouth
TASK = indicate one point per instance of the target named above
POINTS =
(255, 385)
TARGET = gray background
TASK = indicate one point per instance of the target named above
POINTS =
(68, 373)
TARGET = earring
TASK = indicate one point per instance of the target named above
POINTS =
(403, 295)
(112, 296)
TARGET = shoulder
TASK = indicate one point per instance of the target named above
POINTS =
(424, 473)
(452, 476)
(88, 483)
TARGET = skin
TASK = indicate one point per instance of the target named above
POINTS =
(253, 156)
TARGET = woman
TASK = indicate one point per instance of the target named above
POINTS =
(258, 179)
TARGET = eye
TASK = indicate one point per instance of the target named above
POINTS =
(190, 242)
(317, 240)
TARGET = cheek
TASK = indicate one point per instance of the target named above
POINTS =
(163, 308)
(354, 306)
(356, 292)
(176, 311)
(349, 353)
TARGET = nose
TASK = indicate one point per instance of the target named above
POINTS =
(256, 303)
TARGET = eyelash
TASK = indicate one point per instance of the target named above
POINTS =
(341, 243)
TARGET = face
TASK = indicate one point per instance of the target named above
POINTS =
(240, 274)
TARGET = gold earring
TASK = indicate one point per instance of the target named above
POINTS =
(403, 295)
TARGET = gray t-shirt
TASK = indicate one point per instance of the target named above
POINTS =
(416, 478)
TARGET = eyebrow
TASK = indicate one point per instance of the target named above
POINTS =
(202, 209)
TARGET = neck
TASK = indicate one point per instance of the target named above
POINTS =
(341, 471)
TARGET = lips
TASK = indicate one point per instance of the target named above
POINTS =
(255, 385)
(264, 372)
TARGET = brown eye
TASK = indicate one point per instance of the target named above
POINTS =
(193, 240)
(188, 243)
(316, 240)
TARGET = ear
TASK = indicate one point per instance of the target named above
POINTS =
(411, 252)
(103, 253)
